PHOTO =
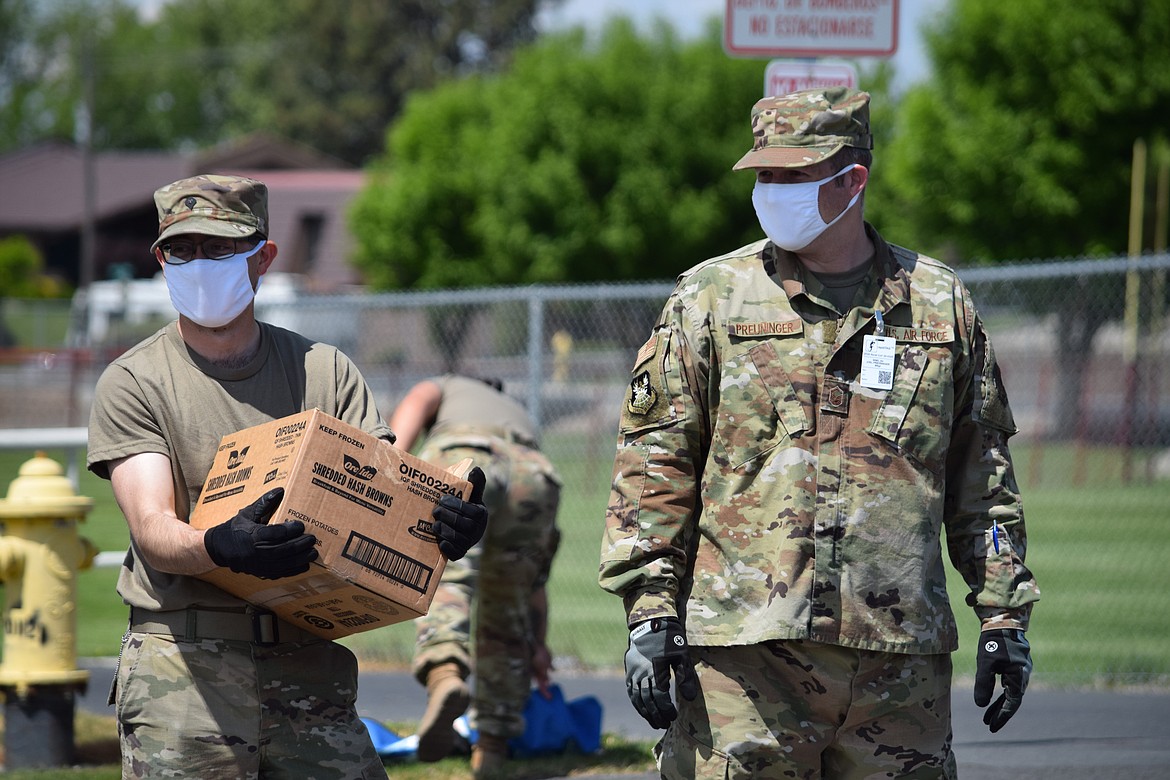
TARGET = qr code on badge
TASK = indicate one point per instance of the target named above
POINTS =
(885, 377)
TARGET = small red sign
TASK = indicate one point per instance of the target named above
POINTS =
(784, 76)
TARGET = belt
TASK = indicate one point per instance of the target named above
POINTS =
(521, 439)
(498, 431)
(258, 626)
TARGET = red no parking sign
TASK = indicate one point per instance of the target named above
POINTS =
(810, 28)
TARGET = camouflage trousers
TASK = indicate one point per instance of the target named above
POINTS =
(795, 709)
(217, 708)
(491, 585)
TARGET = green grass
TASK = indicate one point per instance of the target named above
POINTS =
(1099, 557)
(617, 756)
(1097, 548)
(1102, 613)
(97, 758)
(36, 323)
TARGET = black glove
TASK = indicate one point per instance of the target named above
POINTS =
(1002, 651)
(246, 544)
(460, 524)
(657, 646)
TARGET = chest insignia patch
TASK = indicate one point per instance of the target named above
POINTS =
(642, 395)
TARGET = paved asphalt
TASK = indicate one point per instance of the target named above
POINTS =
(1058, 734)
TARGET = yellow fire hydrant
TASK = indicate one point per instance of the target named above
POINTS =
(40, 555)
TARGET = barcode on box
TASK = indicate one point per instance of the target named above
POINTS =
(388, 562)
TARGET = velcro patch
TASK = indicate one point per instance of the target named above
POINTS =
(991, 402)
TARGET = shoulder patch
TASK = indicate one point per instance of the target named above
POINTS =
(647, 403)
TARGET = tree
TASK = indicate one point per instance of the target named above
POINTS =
(17, 77)
(1020, 145)
(338, 73)
(153, 83)
(607, 160)
(22, 276)
(21, 269)
(327, 74)
(38, 103)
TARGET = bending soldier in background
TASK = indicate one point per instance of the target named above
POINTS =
(809, 416)
(207, 685)
(503, 576)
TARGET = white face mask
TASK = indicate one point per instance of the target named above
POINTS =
(790, 214)
(212, 293)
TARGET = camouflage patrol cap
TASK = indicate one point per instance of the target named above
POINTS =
(228, 206)
(805, 127)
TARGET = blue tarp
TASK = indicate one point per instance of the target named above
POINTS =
(551, 726)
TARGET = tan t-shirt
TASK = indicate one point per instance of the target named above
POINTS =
(162, 397)
(469, 403)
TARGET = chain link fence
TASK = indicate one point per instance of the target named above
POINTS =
(1083, 346)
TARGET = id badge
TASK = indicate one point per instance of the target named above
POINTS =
(877, 363)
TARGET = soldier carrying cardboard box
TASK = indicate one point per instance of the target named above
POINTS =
(208, 685)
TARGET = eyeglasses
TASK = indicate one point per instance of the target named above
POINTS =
(183, 250)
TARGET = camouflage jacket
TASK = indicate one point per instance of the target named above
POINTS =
(762, 492)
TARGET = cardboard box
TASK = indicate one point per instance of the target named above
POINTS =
(367, 502)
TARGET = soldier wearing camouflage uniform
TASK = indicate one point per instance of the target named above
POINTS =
(504, 575)
(208, 686)
(809, 416)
